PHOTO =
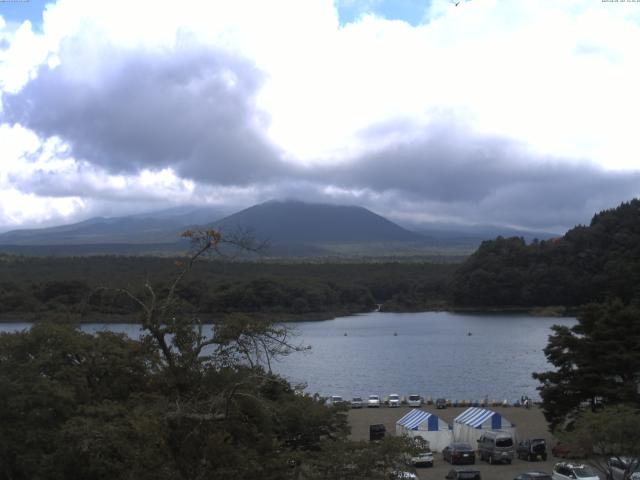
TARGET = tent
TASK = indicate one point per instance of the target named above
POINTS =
(473, 422)
(418, 423)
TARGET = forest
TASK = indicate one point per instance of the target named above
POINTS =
(85, 288)
(588, 264)
(173, 404)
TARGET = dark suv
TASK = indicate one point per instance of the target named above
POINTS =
(532, 449)
(377, 432)
(463, 474)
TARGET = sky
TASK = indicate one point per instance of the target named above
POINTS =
(519, 114)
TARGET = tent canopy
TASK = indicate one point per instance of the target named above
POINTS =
(476, 417)
(470, 424)
(419, 419)
(418, 423)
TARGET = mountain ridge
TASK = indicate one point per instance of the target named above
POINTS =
(295, 221)
(294, 228)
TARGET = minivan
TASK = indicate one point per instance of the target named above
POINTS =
(496, 446)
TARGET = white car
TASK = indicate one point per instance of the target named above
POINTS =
(374, 401)
(336, 400)
(394, 400)
(397, 475)
(414, 400)
(573, 471)
(356, 402)
(423, 459)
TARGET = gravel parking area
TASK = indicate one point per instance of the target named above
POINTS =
(529, 423)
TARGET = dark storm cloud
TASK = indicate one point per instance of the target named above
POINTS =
(482, 179)
(191, 109)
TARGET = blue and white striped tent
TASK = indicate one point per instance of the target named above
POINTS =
(418, 423)
(470, 424)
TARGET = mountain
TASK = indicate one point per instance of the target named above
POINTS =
(292, 228)
(159, 227)
(295, 222)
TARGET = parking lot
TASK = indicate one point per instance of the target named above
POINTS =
(529, 423)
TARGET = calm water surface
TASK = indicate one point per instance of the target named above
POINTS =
(431, 354)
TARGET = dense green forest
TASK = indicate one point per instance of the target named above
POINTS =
(588, 264)
(36, 287)
(174, 404)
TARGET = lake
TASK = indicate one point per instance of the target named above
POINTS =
(437, 354)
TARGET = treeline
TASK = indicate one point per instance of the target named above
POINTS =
(77, 406)
(588, 264)
(89, 286)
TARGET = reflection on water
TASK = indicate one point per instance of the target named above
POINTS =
(431, 353)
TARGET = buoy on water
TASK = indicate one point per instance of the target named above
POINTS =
(395, 334)
(345, 334)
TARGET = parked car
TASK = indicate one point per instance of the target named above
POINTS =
(532, 449)
(533, 476)
(414, 400)
(618, 466)
(394, 400)
(356, 402)
(496, 446)
(463, 474)
(441, 403)
(423, 459)
(573, 471)
(336, 400)
(377, 431)
(459, 453)
(401, 475)
(373, 401)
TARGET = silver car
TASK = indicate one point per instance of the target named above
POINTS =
(618, 466)
(573, 471)
(394, 400)
(423, 459)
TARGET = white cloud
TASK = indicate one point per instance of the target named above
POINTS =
(557, 78)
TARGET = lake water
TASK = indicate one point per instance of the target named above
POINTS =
(430, 353)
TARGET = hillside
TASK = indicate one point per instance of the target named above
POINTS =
(293, 229)
(159, 227)
(589, 263)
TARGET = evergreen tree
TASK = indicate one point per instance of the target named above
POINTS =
(597, 362)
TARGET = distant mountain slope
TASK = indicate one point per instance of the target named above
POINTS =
(296, 222)
(478, 233)
(159, 227)
(589, 263)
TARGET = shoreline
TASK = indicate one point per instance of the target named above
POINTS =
(60, 317)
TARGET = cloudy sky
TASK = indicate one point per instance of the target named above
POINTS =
(517, 113)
